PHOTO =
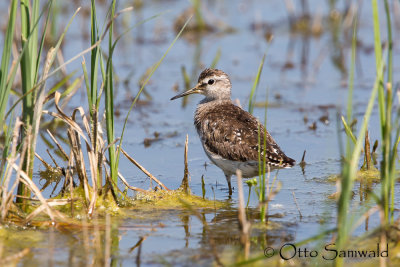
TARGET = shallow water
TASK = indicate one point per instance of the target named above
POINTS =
(315, 86)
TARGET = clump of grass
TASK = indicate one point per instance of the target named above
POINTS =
(33, 88)
(389, 132)
(86, 149)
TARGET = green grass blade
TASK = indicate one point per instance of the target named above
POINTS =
(216, 59)
(5, 62)
(76, 83)
(49, 7)
(348, 130)
(92, 98)
(33, 41)
(85, 74)
(61, 83)
(350, 169)
(390, 41)
(109, 102)
(145, 83)
(255, 85)
(378, 59)
(14, 70)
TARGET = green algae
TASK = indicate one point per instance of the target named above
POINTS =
(371, 175)
(106, 203)
(174, 199)
(19, 238)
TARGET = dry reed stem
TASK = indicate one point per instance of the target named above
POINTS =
(129, 186)
(185, 180)
(84, 119)
(364, 217)
(297, 204)
(7, 196)
(37, 112)
(24, 178)
(69, 179)
(139, 254)
(94, 160)
(93, 170)
(139, 243)
(61, 115)
(42, 207)
(77, 154)
(93, 133)
(52, 158)
(53, 202)
(77, 149)
(367, 154)
(244, 225)
(58, 145)
(26, 148)
(143, 169)
(79, 162)
(48, 166)
(269, 194)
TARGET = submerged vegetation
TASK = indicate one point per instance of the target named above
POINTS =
(83, 189)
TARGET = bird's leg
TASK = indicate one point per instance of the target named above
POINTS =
(228, 179)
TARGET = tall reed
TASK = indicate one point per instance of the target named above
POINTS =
(351, 161)
(5, 80)
(255, 85)
(33, 89)
(389, 149)
(109, 102)
(347, 178)
(30, 63)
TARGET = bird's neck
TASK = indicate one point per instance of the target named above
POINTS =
(208, 104)
(214, 100)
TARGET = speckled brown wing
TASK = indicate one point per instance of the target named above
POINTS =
(232, 133)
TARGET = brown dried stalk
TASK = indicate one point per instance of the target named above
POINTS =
(79, 162)
(143, 169)
(58, 145)
(24, 178)
(42, 207)
(129, 186)
(8, 196)
(48, 166)
(297, 204)
(244, 225)
(185, 180)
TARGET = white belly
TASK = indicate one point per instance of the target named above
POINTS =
(249, 168)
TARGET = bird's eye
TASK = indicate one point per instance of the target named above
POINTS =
(210, 81)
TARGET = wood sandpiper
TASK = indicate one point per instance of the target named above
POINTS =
(229, 135)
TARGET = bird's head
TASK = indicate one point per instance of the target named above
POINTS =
(213, 84)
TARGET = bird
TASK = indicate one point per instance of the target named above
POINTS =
(232, 138)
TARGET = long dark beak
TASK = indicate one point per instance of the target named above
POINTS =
(194, 90)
